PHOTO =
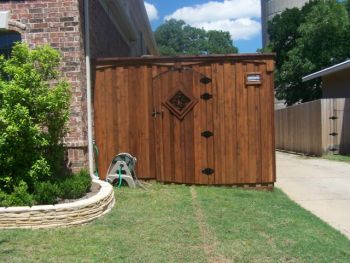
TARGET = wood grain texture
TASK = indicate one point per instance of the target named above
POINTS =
(315, 128)
(173, 150)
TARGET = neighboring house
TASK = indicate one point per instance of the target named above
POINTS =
(335, 80)
(270, 8)
(118, 28)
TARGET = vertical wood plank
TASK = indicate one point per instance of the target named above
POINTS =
(242, 124)
(267, 126)
(233, 127)
(188, 127)
(157, 124)
(209, 72)
(151, 144)
(199, 113)
(252, 129)
(108, 115)
(229, 132)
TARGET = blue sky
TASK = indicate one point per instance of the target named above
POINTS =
(240, 17)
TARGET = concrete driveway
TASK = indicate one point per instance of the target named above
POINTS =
(320, 186)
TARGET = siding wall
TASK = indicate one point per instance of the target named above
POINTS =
(336, 85)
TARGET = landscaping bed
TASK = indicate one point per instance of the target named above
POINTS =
(171, 223)
(75, 212)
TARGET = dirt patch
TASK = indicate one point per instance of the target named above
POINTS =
(210, 242)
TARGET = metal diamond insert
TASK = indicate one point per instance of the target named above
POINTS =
(180, 103)
(180, 100)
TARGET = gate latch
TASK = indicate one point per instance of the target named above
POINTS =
(155, 113)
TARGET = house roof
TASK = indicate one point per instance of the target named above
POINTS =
(327, 71)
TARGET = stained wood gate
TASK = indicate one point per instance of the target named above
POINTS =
(193, 120)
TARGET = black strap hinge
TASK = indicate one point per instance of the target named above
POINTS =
(205, 80)
(208, 171)
(207, 134)
(206, 96)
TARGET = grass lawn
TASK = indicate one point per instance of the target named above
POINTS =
(186, 224)
(337, 157)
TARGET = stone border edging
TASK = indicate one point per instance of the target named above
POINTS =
(60, 215)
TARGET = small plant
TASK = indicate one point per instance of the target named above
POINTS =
(46, 193)
(75, 186)
(19, 197)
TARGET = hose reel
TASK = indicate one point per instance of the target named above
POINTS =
(122, 168)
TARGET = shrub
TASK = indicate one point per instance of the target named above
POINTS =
(19, 197)
(3, 198)
(34, 110)
(71, 187)
(46, 193)
(75, 186)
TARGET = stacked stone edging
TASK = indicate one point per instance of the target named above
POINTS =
(61, 215)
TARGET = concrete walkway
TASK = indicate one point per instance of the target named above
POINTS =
(320, 186)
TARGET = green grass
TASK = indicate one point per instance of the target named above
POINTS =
(337, 157)
(161, 225)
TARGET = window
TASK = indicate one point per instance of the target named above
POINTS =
(7, 40)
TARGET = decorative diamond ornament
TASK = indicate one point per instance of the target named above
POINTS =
(180, 103)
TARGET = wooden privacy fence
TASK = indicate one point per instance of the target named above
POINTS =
(315, 128)
(193, 120)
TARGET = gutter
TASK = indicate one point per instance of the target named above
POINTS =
(327, 71)
(88, 89)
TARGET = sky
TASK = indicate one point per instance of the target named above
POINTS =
(242, 18)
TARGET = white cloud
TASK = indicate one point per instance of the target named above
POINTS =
(242, 28)
(235, 16)
(151, 11)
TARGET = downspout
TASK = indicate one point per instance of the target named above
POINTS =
(88, 89)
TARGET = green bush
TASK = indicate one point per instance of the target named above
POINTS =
(34, 110)
(19, 197)
(3, 198)
(46, 193)
(75, 186)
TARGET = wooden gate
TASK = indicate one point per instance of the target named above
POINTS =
(177, 117)
(193, 120)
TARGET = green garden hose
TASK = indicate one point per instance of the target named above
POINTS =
(120, 177)
(96, 157)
